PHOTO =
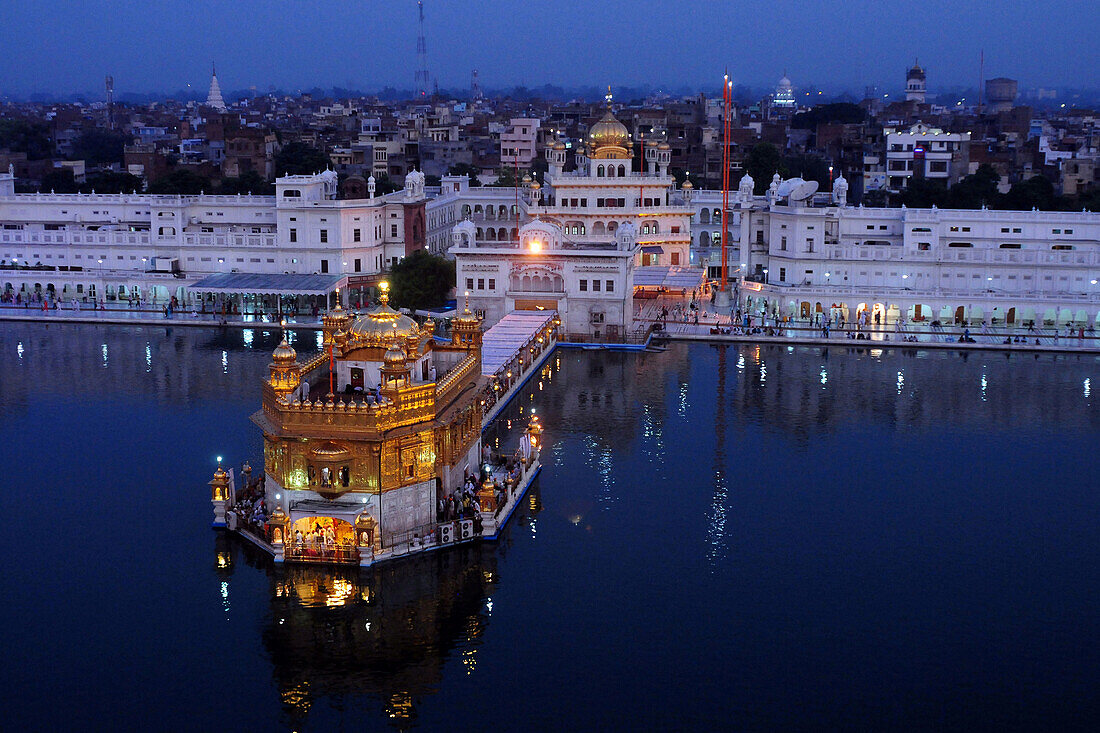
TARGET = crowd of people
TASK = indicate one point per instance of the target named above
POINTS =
(250, 510)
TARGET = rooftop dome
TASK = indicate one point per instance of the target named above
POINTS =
(284, 353)
(395, 355)
(379, 325)
(687, 185)
(608, 133)
(916, 72)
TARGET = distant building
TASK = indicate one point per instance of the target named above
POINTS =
(784, 93)
(517, 143)
(1001, 93)
(925, 152)
(915, 84)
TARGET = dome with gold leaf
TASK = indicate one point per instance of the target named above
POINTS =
(380, 325)
(609, 138)
(284, 353)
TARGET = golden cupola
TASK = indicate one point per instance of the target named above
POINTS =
(466, 328)
(379, 326)
(609, 138)
(286, 372)
(395, 367)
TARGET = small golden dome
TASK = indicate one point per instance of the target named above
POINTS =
(278, 516)
(651, 144)
(526, 178)
(284, 353)
(664, 146)
(608, 132)
(687, 185)
(536, 185)
(395, 355)
(559, 145)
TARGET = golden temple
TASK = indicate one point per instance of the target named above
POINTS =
(372, 447)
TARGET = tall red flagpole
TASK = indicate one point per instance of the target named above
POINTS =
(725, 177)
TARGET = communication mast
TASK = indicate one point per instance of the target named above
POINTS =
(109, 84)
(421, 56)
(475, 87)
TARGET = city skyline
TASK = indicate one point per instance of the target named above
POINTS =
(150, 48)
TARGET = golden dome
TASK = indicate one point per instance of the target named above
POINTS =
(536, 185)
(687, 185)
(663, 146)
(651, 144)
(608, 133)
(559, 145)
(395, 355)
(284, 353)
(381, 325)
(526, 178)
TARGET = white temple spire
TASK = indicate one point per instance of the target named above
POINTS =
(214, 97)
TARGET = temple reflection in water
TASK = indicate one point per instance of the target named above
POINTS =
(385, 633)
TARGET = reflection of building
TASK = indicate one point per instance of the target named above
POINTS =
(388, 634)
(358, 456)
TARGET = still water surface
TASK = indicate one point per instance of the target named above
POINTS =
(721, 538)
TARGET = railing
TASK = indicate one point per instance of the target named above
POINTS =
(455, 377)
(306, 552)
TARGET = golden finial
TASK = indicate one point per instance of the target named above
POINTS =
(384, 296)
(608, 97)
(466, 311)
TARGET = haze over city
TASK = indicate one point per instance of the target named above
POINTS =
(154, 47)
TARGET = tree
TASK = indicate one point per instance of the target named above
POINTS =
(1036, 192)
(248, 182)
(421, 280)
(59, 180)
(763, 162)
(297, 158)
(111, 182)
(506, 178)
(976, 190)
(181, 181)
(99, 147)
(680, 175)
(840, 112)
(465, 169)
(808, 167)
(383, 185)
(21, 136)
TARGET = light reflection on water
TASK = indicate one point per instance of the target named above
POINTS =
(768, 548)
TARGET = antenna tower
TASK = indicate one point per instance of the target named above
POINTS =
(421, 56)
(109, 85)
(475, 87)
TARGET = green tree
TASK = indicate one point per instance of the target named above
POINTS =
(421, 280)
(99, 147)
(763, 162)
(109, 181)
(1036, 192)
(976, 190)
(383, 185)
(297, 158)
(59, 180)
(924, 193)
(22, 136)
(181, 181)
(248, 182)
(465, 169)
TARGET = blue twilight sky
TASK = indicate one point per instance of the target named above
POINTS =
(153, 45)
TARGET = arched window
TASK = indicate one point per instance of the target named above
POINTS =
(465, 210)
(704, 239)
(598, 228)
(502, 234)
(610, 171)
(622, 171)
(502, 211)
(717, 216)
(656, 228)
(611, 227)
(645, 228)
(480, 234)
(477, 210)
(515, 233)
(704, 216)
(491, 234)
(599, 171)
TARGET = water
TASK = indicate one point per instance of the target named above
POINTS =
(721, 538)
